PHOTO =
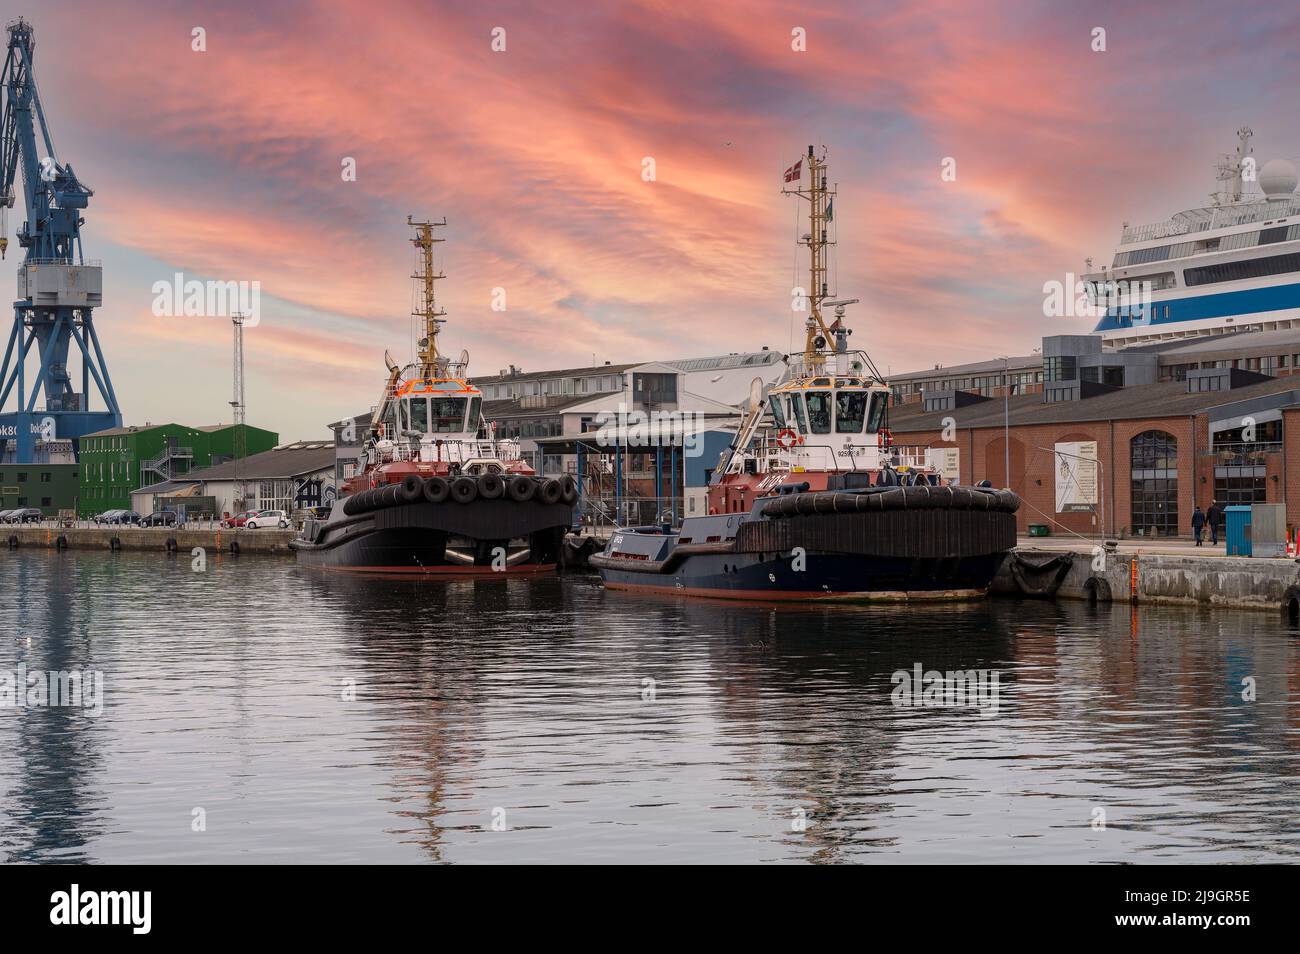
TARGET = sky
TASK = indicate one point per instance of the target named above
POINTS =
(228, 163)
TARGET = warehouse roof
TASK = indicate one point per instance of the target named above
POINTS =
(132, 429)
(975, 367)
(1166, 399)
(293, 460)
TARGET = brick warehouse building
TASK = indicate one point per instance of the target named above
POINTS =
(1163, 447)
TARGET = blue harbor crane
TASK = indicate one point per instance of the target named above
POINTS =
(57, 287)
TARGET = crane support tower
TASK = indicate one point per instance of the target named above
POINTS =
(58, 289)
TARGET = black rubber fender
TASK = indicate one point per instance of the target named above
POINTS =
(568, 490)
(520, 488)
(436, 490)
(409, 490)
(1097, 590)
(464, 489)
(491, 486)
(550, 491)
(1291, 604)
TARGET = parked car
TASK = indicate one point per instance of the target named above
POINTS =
(162, 518)
(106, 517)
(25, 515)
(239, 519)
(4, 515)
(268, 518)
(127, 516)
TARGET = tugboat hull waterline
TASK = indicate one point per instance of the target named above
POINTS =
(891, 544)
(811, 501)
(438, 494)
(416, 528)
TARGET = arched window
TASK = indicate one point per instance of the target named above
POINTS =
(1154, 459)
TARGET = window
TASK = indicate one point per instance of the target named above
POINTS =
(1154, 475)
(654, 388)
(447, 415)
(876, 419)
(1237, 271)
(1061, 368)
(819, 412)
(850, 411)
(475, 415)
(1238, 489)
(419, 414)
(796, 411)
(778, 413)
(22, 477)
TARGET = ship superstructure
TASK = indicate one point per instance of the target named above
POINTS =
(437, 492)
(1233, 265)
(808, 503)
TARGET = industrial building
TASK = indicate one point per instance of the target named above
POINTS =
(52, 487)
(118, 461)
(289, 478)
(1125, 442)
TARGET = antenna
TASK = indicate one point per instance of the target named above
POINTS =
(1229, 168)
(240, 443)
(819, 213)
(428, 308)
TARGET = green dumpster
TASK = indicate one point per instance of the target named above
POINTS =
(1039, 530)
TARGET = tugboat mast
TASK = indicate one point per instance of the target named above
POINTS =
(431, 364)
(819, 197)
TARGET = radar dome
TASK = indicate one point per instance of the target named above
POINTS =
(1278, 178)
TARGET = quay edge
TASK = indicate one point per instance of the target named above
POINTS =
(146, 538)
(1271, 584)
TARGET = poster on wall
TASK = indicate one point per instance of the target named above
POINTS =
(1076, 476)
(946, 460)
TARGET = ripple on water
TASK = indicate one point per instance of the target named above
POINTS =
(318, 719)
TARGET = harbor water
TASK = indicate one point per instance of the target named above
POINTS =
(251, 711)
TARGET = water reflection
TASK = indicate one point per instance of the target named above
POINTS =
(318, 717)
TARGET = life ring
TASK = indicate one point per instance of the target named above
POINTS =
(884, 438)
(786, 439)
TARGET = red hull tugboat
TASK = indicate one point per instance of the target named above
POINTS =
(811, 501)
(437, 493)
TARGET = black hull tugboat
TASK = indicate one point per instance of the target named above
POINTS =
(811, 501)
(438, 494)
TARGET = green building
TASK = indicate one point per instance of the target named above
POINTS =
(116, 461)
(52, 487)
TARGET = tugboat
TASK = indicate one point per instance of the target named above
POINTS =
(438, 493)
(811, 501)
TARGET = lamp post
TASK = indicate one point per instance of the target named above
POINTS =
(1006, 415)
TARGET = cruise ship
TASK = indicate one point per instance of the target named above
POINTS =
(1231, 266)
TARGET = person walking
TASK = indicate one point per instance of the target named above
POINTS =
(1212, 517)
(1198, 524)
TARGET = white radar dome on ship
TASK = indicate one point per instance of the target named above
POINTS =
(1278, 178)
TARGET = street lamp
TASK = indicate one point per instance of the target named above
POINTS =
(1006, 416)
